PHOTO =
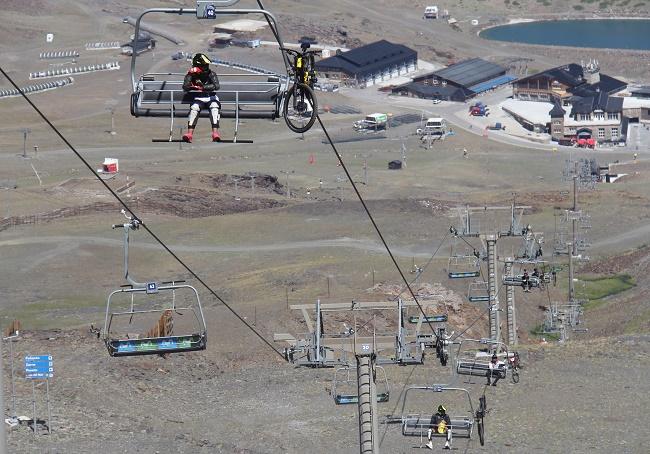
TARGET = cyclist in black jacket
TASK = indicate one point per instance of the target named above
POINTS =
(202, 83)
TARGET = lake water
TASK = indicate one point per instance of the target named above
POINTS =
(605, 33)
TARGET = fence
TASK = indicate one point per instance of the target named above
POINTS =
(75, 70)
(37, 87)
(58, 54)
(103, 45)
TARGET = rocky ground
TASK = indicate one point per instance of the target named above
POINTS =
(262, 251)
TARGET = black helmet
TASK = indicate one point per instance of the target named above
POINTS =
(201, 60)
(442, 409)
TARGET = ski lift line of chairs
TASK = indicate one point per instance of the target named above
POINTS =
(162, 95)
(344, 386)
(463, 266)
(478, 292)
(462, 425)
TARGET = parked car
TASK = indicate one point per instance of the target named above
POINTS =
(436, 101)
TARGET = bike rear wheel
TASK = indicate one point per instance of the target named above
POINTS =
(300, 108)
(515, 376)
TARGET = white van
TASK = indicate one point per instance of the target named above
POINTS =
(431, 12)
(433, 126)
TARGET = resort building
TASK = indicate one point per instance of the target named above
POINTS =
(457, 82)
(368, 65)
(564, 82)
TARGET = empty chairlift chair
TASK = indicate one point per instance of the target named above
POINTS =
(478, 292)
(152, 318)
(463, 266)
(345, 390)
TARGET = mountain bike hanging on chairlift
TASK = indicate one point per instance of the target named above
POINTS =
(300, 106)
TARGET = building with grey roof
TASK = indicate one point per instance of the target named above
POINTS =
(369, 64)
(457, 82)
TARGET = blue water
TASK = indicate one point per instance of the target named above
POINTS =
(605, 33)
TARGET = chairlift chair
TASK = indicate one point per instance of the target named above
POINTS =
(418, 423)
(344, 386)
(477, 363)
(155, 329)
(242, 95)
(122, 342)
(463, 266)
(478, 292)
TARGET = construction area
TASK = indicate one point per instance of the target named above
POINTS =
(367, 274)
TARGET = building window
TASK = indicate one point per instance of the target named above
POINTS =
(601, 133)
(584, 117)
(612, 116)
(557, 122)
(572, 130)
(557, 131)
(614, 133)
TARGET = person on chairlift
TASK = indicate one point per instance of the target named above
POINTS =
(493, 371)
(203, 83)
(536, 273)
(525, 281)
(441, 424)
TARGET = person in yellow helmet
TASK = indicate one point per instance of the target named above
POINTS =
(440, 424)
(202, 83)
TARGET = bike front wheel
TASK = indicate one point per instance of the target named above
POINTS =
(300, 108)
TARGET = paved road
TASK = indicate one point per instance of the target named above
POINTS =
(456, 114)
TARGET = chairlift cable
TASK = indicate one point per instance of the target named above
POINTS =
(372, 220)
(135, 216)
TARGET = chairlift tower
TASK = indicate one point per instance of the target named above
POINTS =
(511, 317)
(490, 239)
(319, 348)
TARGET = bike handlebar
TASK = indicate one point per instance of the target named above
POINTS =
(303, 53)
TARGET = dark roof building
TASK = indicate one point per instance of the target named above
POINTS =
(466, 73)
(457, 82)
(641, 92)
(368, 64)
(448, 92)
(564, 83)
(601, 101)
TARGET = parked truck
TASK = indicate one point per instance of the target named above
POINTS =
(497, 127)
(372, 122)
(479, 110)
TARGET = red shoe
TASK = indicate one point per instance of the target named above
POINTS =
(187, 137)
(216, 137)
